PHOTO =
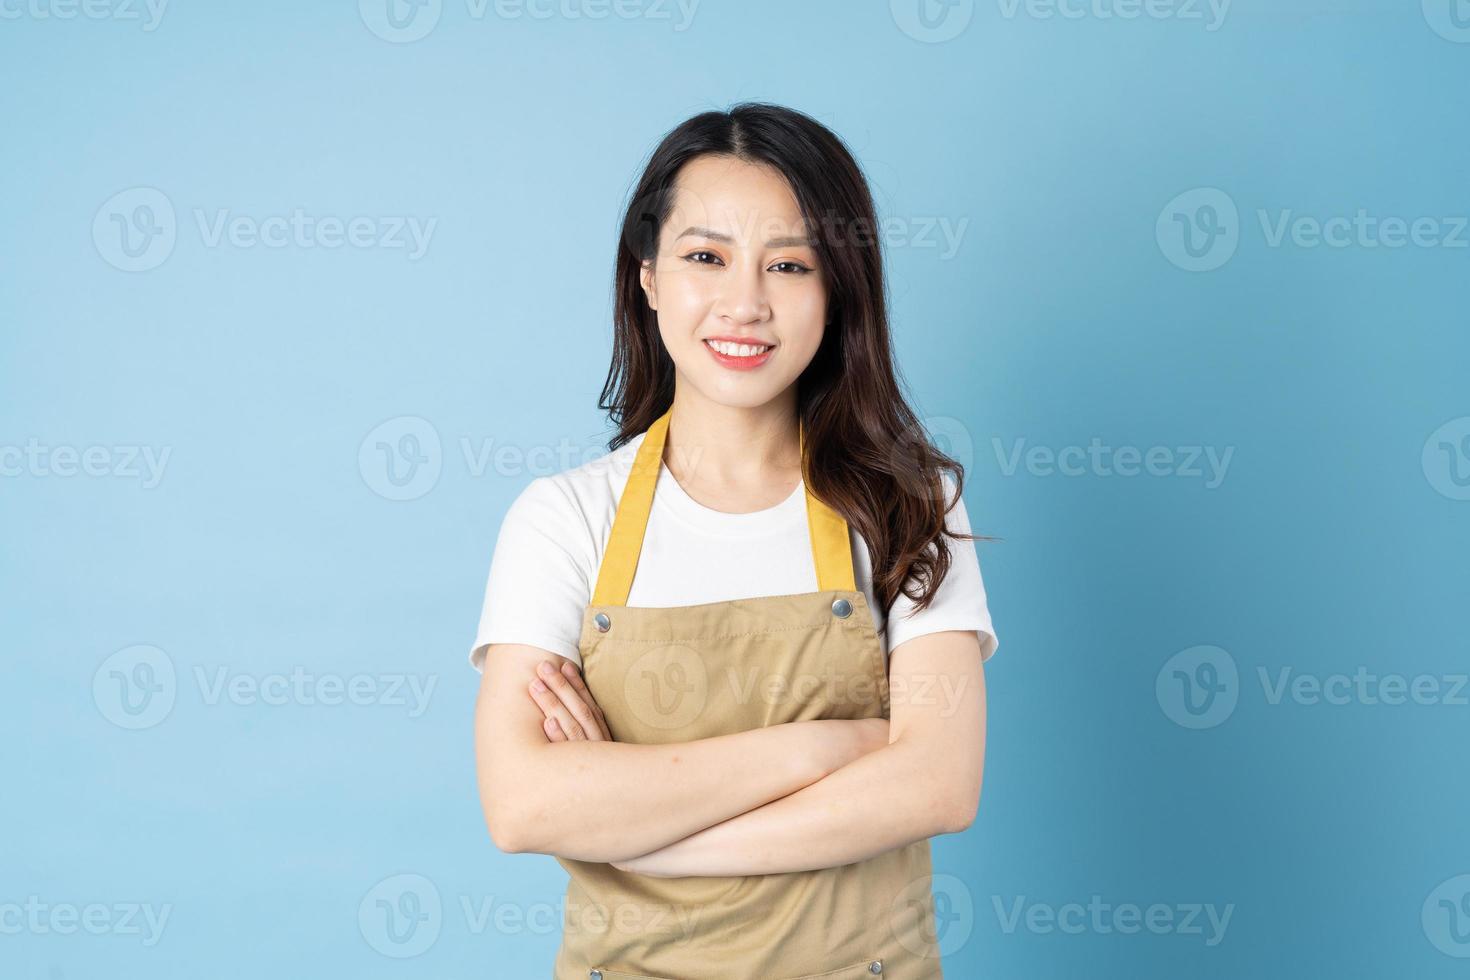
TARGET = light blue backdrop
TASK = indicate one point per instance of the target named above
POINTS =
(1185, 287)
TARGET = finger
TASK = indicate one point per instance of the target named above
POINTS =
(549, 727)
(574, 676)
(552, 707)
(576, 708)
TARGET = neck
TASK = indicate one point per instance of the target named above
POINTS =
(710, 444)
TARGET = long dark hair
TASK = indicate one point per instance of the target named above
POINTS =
(866, 454)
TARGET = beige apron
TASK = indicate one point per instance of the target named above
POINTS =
(691, 672)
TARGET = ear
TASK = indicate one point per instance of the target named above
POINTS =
(650, 287)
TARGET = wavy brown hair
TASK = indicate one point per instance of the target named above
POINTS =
(866, 454)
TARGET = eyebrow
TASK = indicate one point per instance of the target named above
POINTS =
(719, 236)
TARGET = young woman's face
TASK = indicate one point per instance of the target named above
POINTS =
(735, 270)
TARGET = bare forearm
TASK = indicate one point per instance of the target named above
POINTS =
(869, 806)
(607, 801)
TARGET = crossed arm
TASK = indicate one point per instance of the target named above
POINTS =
(789, 797)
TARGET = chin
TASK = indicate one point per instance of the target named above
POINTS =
(738, 393)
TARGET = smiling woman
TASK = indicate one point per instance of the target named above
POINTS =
(709, 657)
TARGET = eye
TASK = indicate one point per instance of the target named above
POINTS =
(796, 268)
(693, 258)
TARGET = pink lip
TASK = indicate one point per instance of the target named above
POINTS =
(737, 363)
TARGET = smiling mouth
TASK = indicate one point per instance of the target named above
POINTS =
(732, 349)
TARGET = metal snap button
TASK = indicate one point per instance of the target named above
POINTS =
(875, 967)
(842, 609)
(602, 622)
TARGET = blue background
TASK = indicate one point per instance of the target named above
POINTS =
(1336, 539)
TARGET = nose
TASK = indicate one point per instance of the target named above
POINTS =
(744, 297)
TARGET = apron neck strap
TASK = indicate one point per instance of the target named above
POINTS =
(831, 546)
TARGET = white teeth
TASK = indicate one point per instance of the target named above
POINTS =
(738, 350)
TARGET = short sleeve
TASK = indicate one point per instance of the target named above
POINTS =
(539, 582)
(960, 602)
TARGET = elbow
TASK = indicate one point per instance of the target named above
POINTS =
(505, 841)
(505, 832)
(960, 813)
(513, 827)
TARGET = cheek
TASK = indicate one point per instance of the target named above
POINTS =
(682, 294)
(803, 312)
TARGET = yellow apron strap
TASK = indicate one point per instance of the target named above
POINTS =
(615, 578)
(831, 547)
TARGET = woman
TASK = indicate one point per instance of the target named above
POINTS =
(739, 753)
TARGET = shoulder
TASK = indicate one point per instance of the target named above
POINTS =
(959, 601)
(577, 500)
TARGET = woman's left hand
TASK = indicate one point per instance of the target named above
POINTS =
(572, 714)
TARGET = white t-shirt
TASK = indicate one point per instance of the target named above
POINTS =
(552, 538)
